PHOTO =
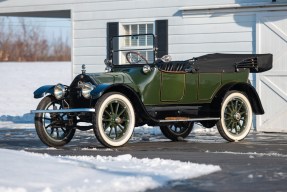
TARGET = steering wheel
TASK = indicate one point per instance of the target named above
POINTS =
(135, 57)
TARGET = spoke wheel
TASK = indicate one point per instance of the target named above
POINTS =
(178, 131)
(236, 117)
(114, 119)
(51, 127)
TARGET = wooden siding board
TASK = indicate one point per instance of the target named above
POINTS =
(90, 42)
(211, 38)
(210, 29)
(90, 60)
(90, 33)
(204, 20)
(90, 51)
(211, 47)
(117, 15)
(185, 56)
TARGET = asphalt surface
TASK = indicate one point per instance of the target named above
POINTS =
(259, 163)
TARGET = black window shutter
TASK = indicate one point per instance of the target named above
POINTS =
(112, 30)
(161, 30)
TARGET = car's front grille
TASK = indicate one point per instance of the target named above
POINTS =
(77, 100)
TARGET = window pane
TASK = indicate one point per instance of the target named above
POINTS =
(134, 30)
(134, 41)
(149, 28)
(150, 56)
(150, 31)
(127, 32)
(142, 39)
(142, 61)
(123, 57)
(142, 29)
(127, 41)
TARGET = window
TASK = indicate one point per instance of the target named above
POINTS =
(138, 43)
(116, 44)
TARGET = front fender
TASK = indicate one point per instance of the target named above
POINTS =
(99, 90)
(41, 91)
(103, 88)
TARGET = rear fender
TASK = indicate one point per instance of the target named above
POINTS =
(246, 88)
(42, 91)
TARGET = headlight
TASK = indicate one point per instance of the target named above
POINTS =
(86, 90)
(59, 91)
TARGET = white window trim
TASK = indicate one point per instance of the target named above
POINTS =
(122, 30)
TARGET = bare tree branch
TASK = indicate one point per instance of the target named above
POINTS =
(29, 43)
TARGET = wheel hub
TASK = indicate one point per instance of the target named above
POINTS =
(237, 116)
(118, 120)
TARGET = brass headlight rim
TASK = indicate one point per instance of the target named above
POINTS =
(59, 91)
(87, 88)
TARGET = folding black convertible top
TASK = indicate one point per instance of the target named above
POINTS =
(218, 62)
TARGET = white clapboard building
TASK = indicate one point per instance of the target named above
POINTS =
(187, 28)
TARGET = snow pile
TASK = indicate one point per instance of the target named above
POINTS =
(22, 171)
(26, 118)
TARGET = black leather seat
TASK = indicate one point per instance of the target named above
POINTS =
(174, 66)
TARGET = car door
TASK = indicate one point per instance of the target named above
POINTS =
(208, 85)
(172, 87)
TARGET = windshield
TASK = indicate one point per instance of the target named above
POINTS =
(133, 49)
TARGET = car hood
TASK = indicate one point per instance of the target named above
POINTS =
(111, 78)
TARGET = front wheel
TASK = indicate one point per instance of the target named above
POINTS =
(177, 131)
(114, 119)
(236, 117)
(52, 128)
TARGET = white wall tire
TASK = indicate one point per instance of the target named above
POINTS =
(114, 120)
(236, 117)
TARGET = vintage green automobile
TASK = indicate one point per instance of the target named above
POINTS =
(212, 90)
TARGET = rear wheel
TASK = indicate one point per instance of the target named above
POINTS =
(236, 117)
(114, 120)
(51, 127)
(177, 131)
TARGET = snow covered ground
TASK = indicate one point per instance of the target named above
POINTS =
(22, 171)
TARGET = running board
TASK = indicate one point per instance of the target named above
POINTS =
(76, 110)
(182, 119)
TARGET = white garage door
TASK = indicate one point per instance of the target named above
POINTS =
(272, 85)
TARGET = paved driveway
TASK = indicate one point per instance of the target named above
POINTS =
(259, 163)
